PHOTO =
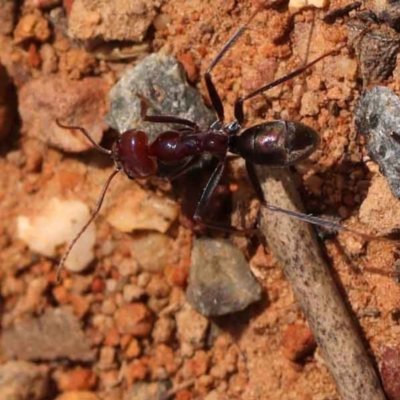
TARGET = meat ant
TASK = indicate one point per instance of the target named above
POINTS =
(275, 143)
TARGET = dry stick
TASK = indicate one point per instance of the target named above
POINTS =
(295, 245)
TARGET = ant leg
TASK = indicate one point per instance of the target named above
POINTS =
(311, 219)
(199, 215)
(238, 108)
(212, 91)
(186, 167)
(145, 104)
(166, 119)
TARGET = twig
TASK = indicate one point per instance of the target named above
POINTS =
(294, 244)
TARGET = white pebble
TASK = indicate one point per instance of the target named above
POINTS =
(298, 4)
(57, 224)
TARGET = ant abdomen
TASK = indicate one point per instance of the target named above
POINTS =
(275, 143)
(131, 154)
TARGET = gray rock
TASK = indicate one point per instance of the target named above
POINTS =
(220, 281)
(149, 391)
(377, 117)
(21, 380)
(161, 80)
(376, 50)
(54, 335)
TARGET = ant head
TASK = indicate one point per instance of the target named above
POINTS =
(131, 154)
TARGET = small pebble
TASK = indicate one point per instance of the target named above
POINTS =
(158, 287)
(220, 280)
(111, 285)
(112, 337)
(144, 391)
(299, 4)
(80, 103)
(191, 327)
(49, 59)
(111, 21)
(77, 395)
(373, 210)
(163, 330)
(110, 379)
(298, 342)
(134, 319)
(143, 279)
(22, 380)
(133, 350)
(132, 292)
(136, 209)
(75, 379)
(152, 251)
(8, 10)
(39, 338)
(108, 306)
(56, 223)
(128, 267)
(32, 26)
(107, 358)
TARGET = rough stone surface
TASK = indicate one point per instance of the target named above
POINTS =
(7, 15)
(387, 11)
(78, 395)
(298, 342)
(191, 327)
(79, 378)
(135, 209)
(115, 20)
(376, 50)
(377, 117)
(80, 103)
(374, 209)
(32, 26)
(21, 380)
(134, 319)
(148, 391)
(220, 281)
(56, 223)
(54, 335)
(152, 251)
(161, 80)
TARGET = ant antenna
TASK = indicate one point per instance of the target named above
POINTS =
(99, 201)
(83, 229)
(86, 133)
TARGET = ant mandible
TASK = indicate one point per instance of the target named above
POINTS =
(275, 143)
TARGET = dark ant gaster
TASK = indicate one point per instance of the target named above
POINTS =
(273, 143)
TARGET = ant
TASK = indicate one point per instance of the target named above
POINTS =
(275, 143)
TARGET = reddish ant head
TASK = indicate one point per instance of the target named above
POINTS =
(131, 154)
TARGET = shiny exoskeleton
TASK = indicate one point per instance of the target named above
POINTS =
(274, 143)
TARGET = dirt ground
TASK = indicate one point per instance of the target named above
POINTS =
(118, 326)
